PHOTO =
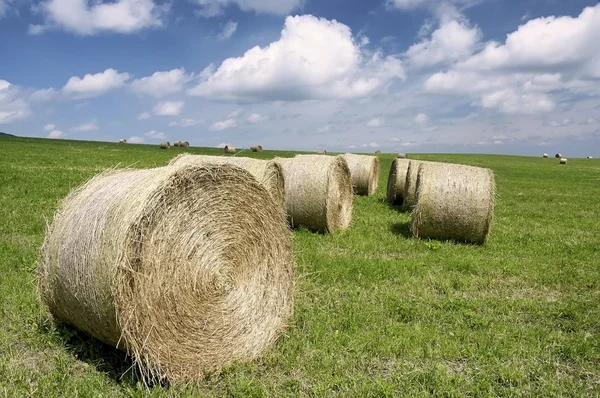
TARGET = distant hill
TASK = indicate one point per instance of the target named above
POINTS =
(6, 134)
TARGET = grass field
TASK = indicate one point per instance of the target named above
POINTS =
(377, 313)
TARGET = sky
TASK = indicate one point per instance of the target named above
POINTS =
(459, 76)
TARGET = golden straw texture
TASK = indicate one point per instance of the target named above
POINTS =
(410, 185)
(396, 181)
(229, 149)
(269, 173)
(183, 295)
(454, 202)
(318, 192)
(365, 173)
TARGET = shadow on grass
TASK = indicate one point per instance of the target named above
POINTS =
(402, 228)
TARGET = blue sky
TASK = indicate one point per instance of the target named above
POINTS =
(486, 76)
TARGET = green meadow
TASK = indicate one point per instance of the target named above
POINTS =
(377, 313)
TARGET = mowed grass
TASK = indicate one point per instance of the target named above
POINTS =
(377, 313)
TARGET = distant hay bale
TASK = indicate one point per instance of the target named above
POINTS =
(256, 148)
(165, 145)
(318, 192)
(378, 152)
(396, 181)
(267, 172)
(563, 161)
(184, 144)
(365, 173)
(409, 198)
(558, 156)
(229, 149)
(454, 202)
(122, 141)
(177, 143)
(183, 295)
(545, 156)
(401, 156)
(590, 157)
(321, 152)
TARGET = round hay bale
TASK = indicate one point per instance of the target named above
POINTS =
(545, 156)
(364, 170)
(165, 145)
(183, 295)
(321, 152)
(396, 181)
(590, 157)
(177, 143)
(229, 149)
(409, 198)
(454, 202)
(378, 152)
(122, 141)
(563, 160)
(267, 172)
(558, 156)
(401, 156)
(318, 192)
(256, 148)
(185, 144)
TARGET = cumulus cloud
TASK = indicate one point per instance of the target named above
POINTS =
(222, 145)
(223, 125)
(421, 119)
(85, 17)
(314, 58)
(136, 140)
(12, 105)
(186, 123)
(155, 135)
(84, 127)
(257, 118)
(377, 122)
(228, 30)
(49, 127)
(211, 8)
(94, 85)
(56, 134)
(168, 108)
(144, 116)
(161, 84)
(43, 95)
(371, 145)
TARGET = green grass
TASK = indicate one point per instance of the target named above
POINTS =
(377, 313)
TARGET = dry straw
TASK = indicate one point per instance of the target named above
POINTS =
(558, 156)
(256, 148)
(229, 149)
(183, 295)
(165, 145)
(268, 173)
(545, 156)
(321, 152)
(563, 160)
(401, 156)
(318, 192)
(396, 181)
(365, 173)
(409, 198)
(122, 141)
(455, 202)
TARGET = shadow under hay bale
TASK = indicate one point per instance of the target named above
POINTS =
(402, 229)
(396, 181)
(182, 295)
(365, 171)
(229, 149)
(318, 192)
(454, 202)
(267, 172)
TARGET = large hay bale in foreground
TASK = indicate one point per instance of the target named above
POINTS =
(256, 148)
(122, 141)
(409, 198)
(229, 149)
(267, 172)
(365, 171)
(563, 160)
(396, 181)
(454, 202)
(318, 192)
(183, 295)
(165, 145)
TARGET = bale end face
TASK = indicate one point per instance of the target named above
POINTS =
(365, 173)
(558, 156)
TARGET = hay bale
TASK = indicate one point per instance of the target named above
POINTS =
(177, 143)
(378, 152)
(267, 172)
(401, 156)
(545, 156)
(122, 141)
(558, 156)
(365, 173)
(229, 149)
(165, 145)
(590, 157)
(318, 192)
(256, 148)
(409, 198)
(183, 295)
(563, 160)
(396, 181)
(454, 202)
(185, 144)
(321, 152)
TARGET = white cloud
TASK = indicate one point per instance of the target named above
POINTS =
(161, 84)
(211, 8)
(186, 123)
(86, 17)
(168, 108)
(228, 30)
(56, 134)
(422, 119)
(94, 85)
(407, 4)
(43, 95)
(222, 145)
(257, 118)
(314, 58)
(136, 140)
(12, 106)
(155, 135)
(371, 145)
(222, 125)
(377, 122)
(452, 41)
(144, 116)
(84, 127)
(49, 127)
